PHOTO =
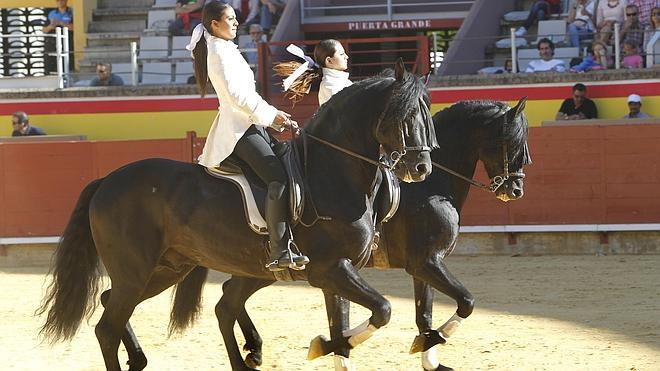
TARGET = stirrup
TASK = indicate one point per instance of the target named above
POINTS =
(291, 257)
(288, 259)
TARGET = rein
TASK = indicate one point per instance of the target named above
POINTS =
(495, 182)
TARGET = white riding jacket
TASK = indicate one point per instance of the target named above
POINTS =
(239, 103)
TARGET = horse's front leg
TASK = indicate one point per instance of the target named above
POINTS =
(435, 273)
(344, 281)
(427, 337)
(337, 309)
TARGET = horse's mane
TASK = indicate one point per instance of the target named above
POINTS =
(485, 112)
(403, 101)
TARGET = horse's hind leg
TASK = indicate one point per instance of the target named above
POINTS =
(231, 306)
(136, 359)
(253, 341)
(159, 281)
(118, 309)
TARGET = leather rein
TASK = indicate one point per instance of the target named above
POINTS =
(388, 161)
(498, 180)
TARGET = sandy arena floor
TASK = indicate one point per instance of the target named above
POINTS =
(533, 313)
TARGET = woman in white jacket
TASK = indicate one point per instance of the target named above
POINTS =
(332, 60)
(239, 127)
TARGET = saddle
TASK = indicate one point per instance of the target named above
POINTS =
(254, 191)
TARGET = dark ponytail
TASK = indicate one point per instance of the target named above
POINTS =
(213, 10)
(301, 86)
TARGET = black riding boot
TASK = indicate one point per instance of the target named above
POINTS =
(281, 254)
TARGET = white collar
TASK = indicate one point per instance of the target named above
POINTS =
(335, 74)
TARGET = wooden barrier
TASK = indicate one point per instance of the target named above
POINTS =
(40, 181)
(597, 174)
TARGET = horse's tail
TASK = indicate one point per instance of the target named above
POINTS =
(187, 302)
(71, 294)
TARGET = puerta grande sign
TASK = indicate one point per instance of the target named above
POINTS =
(389, 25)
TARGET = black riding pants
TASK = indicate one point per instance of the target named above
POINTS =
(255, 149)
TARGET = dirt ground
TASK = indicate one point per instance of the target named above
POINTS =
(533, 313)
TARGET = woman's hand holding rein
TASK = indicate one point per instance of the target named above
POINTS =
(282, 121)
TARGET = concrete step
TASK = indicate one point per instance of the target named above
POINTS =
(116, 39)
(120, 14)
(112, 39)
(117, 26)
(107, 4)
(107, 54)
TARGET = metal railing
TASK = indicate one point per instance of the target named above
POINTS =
(62, 51)
(385, 9)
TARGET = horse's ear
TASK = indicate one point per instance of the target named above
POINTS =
(399, 69)
(520, 107)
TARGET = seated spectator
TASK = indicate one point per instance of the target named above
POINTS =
(645, 8)
(631, 57)
(580, 26)
(539, 12)
(256, 37)
(652, 37)
(602, 55)
(237, 5)
(546, 64)
(21, 125)
(632, 30)
(579, 107)
(271, 10)
(609, 12)
(61, 16)
(597, 59)
(254, 8)
(635, 107)
(188, 15)
(105, 77)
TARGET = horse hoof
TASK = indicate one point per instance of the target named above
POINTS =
(253, 360)
(443, 368)
(318, 347)
(426, 340)
(137, 363)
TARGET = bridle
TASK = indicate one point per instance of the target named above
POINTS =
(386, 160)
(498, 180)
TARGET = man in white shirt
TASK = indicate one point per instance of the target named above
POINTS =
(546, 64)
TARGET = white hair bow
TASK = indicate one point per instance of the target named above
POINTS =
(308, 65)
(197, 34)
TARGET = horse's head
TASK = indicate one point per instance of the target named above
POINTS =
(405, 127)
(505, 158)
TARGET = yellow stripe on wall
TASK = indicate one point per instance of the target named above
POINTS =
(107, 126)
(162, 125)
(546, 110)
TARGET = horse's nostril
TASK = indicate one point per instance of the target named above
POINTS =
(517, 193)
(422, 169)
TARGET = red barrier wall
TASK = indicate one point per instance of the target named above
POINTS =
(40, 181)
(606, 174)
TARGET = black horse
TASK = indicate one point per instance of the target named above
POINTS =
(153, 221)
(425, 229)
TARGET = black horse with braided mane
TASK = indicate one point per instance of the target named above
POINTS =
(425, 229)
(153, 221)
